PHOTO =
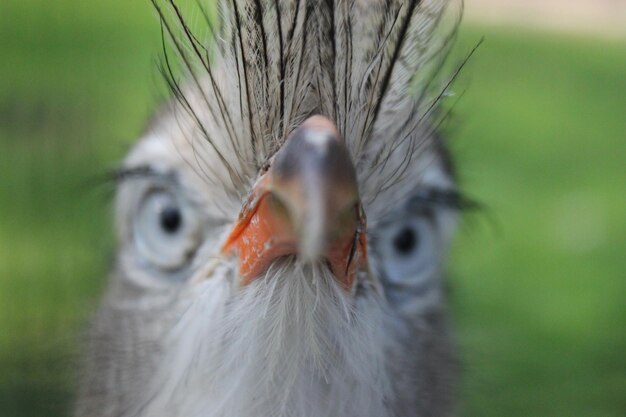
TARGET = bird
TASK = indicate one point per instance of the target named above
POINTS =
(283, 222)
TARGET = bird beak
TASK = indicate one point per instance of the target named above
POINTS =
(305, 204)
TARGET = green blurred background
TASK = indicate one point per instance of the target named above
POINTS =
(539, 279)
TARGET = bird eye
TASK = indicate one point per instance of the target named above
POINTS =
(171, 219)
(166, 230)
(406, 241)
(407, 249)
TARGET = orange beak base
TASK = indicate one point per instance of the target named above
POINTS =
(305, 185)
(263, 233)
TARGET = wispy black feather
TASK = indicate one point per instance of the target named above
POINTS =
(369, 65)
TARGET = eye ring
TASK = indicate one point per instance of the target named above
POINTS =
(407, 249)
(166, 229)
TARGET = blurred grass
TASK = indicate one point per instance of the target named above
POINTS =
(540, 136)
(540, 301)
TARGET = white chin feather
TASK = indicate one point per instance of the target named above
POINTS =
(289, 344)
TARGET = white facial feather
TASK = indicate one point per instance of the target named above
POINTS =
(292, 343)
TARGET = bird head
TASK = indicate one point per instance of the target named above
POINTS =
(283, 221)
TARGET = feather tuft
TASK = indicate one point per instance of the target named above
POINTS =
(369, 65)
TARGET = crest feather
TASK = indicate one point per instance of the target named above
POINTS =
(266, 65)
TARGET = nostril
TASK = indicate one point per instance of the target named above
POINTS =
(279, 207)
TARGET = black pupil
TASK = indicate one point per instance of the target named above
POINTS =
(171, 219)
(405, 241)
